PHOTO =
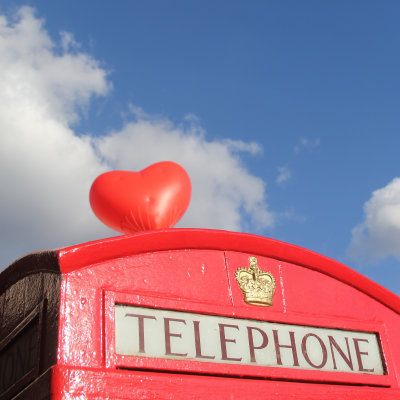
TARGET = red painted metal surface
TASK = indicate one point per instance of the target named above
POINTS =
(75, 257)
(194, 271)
(122, 385)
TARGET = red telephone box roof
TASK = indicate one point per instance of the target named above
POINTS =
(76, 257)
(185, 276)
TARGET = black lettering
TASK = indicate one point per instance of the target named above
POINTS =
(264, 343)
(224, 340)
(168, 335)
(291, 346)
(360, 353)
(141, 319)
(305, 353)
(197, 341)
(347, 359)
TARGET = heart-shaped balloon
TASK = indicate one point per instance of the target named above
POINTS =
(153, 198)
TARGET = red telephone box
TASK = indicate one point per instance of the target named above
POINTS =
(194, 314)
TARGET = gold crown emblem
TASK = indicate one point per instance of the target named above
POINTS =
(258, 286)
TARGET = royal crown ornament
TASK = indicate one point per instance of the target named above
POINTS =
(258, 286)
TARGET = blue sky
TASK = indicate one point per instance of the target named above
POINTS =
(285, 113)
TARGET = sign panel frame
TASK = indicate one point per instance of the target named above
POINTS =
(117, 361)
(177, 335)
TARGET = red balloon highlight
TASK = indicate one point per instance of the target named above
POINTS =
(154, 198)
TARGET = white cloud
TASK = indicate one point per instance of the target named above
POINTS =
(221, 184)
(46, 169)
(379, 235)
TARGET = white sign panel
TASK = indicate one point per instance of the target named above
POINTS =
(156, 333)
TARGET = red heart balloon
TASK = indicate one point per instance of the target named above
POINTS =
(153, 198)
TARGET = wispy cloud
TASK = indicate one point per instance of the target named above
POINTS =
(306, 144)
(284, 174)
(48, 169)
